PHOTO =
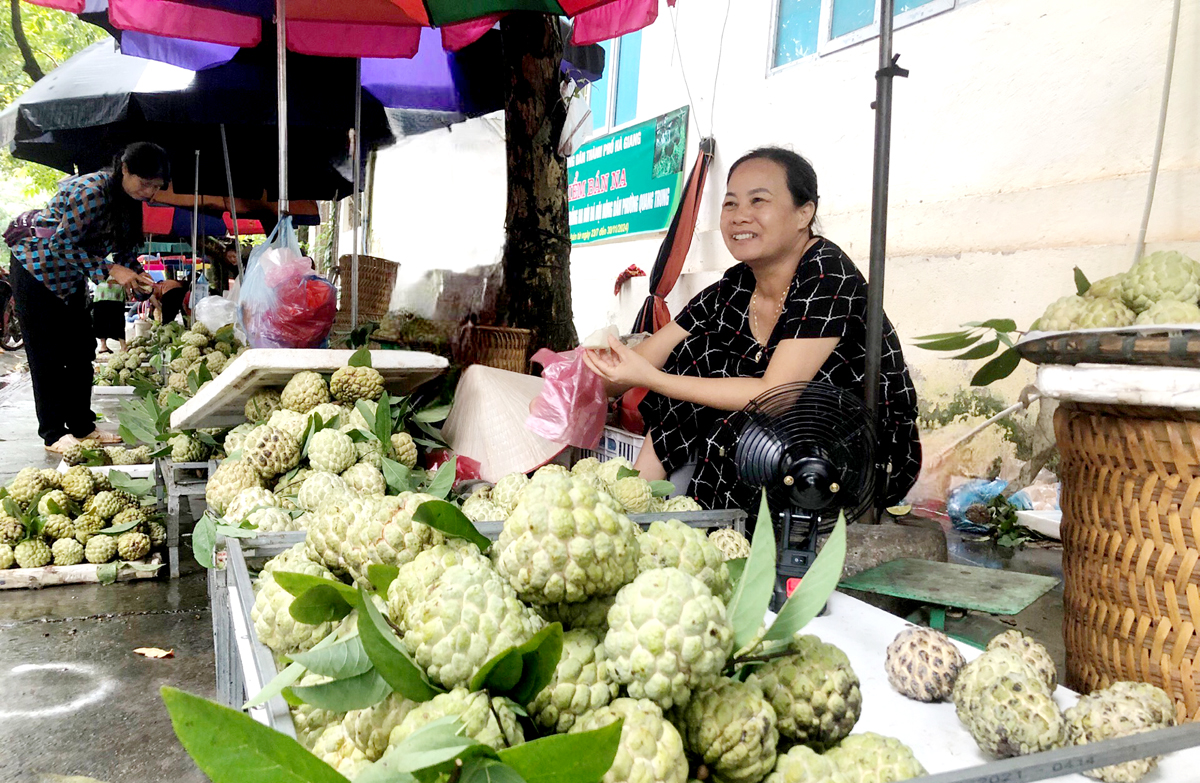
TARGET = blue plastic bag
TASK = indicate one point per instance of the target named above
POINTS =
(284, 302)
(966, 495)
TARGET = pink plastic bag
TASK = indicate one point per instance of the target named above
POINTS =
(572, 406)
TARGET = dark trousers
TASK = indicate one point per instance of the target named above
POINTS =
(60, 349)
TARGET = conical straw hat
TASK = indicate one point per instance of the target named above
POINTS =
(487, 422)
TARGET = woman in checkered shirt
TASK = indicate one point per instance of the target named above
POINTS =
(90, 218)
(793, 309)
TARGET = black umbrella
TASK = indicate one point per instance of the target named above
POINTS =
(83, 112)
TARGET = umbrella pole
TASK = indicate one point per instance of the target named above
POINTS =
(237, 239)
(356, 212)
(195, 226)
(879, 202)
(281, 91)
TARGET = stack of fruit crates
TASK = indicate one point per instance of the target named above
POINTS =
(181, 487)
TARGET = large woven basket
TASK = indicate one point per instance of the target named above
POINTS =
(376, 281)
(1131, 548)
(495, 346)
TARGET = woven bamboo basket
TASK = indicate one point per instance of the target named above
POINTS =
(1131, 548)
(376, 281)
(495, 346)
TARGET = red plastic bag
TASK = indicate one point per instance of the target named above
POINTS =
(284, 303)
(572, 406)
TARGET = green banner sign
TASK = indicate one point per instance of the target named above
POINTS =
(628, 182)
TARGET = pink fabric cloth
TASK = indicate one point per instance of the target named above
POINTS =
(329, 39)
(178, 20)
(456, 36)
(70, 6)
(613, 20)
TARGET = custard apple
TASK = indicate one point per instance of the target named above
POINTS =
(633, 493)
(1015, 715)
(872, 758)
(608, 470)
(650, 750)
(305, 391)
(271, 451)
(370, 452)
(26, 486)
(133, 546)
(67, 552)
(11, 530)
(566, 542)
(732, 728)
(585, 465)
(191, 354)
(104, 504)
(337, 750)
(319, 487)
(802, 764)
(288, 421)
(388, 536)
(310, 721)
(581, 683)
(185, 448)
(351, 384)
(681, 503)
(405, 449)
(227, 481)
(78, 483)
(287, 486)
(491, 722)
(1106, 287)
(467, 617)
(274, 624)
(331, 451)
(591, 614)
(1118, 712)
(248, 500)
(673, 544)
(1037, 656)
(328, 526)
(478, 508)
(356, 420)
(667, 636)
(330, 413)
(58, 526)
(52, 500)
(1159, 276)
(732, 544)
(157, 532)
(1062, 314)
(88, 525)
(370, 728)
(417, 577)
(508, 491)
(1098, 313)
(135, 514)
(100, 549)
(922, 664)
(32, 554)
(814, 691)
(194, 339)
(365, 479)
(1161, 706)
(119, 455)
(1170, 312)
(7, 558)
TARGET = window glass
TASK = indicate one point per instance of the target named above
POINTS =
(851, 15)
(599, 91)
(629, 64)
(796, 30)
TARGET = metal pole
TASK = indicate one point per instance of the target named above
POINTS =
(237, 239)
(281, 91)
(879, 202)
(356, 212)
(195, 227)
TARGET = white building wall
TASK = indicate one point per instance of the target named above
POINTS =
(1021, 147)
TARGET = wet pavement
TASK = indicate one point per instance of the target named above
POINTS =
(76, 699)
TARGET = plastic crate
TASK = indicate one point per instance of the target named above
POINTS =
(615, 442)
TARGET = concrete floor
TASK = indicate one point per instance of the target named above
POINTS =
(76, 699)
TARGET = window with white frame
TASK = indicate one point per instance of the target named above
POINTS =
(807, 27)
(613, 97)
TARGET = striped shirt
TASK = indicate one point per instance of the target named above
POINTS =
(81, 218)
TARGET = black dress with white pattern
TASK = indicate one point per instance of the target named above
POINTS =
(827, 298)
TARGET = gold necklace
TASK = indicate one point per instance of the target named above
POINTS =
(754, 317)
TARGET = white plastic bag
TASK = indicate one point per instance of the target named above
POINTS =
(215, 312)
(579, 111)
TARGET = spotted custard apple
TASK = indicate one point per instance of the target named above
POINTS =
(227, 481)
(873, 758)
(673, 544)
(732, 728)
(923, 663)
(487, 720)
(566, 542)
(305, 391)
(814, 691)
(271, 451)
(261, 405)
(650, 748)
(1165, 275)
(667, 636)
(388, 536)
(289, 421)
(351, 384)
(26, 486)
(273, 622)
(1015, 715)
(1032, 651)
(78, 483)
(581, 683)
(1122, 709)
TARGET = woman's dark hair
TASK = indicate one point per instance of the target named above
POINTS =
(801, 177)
(145, 160)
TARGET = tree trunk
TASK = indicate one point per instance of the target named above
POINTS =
(537, 249)
(31, 66)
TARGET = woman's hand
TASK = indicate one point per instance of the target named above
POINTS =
(130, 279)
(621, 366)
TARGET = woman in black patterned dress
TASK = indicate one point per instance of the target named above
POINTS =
(794, 309)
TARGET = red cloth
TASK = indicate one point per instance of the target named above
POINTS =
(630, 272)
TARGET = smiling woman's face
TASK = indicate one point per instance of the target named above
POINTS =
(759, 221)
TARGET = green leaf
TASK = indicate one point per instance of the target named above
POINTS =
(1001, 324)
(736, 567)
(236, 531)
(956, 343)
(432, 414)
(944, 335)
(432, 748)
(485, 770)
(117, 530)
(815, 588)
(540, 656)
(435, 440)
(122, 481)
(624, 472)
(352, 693)
(106, 573)
(224, 334)
(980, 351)
(339, 661)
(1000, 367)
(204, 539)
(297, 584)
(381, 576)
(1081, 282)
(231, 747)
(289, 676)
(391, 658)
(12, 509)
(449, 519)
(566, 758)
(319, 604)
(443, 480)
(398, 477)
(661, 489)
(500, 674)
(382, 426)
(360, 358)
(752, 595)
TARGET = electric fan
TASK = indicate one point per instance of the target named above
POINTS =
(812, 447)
